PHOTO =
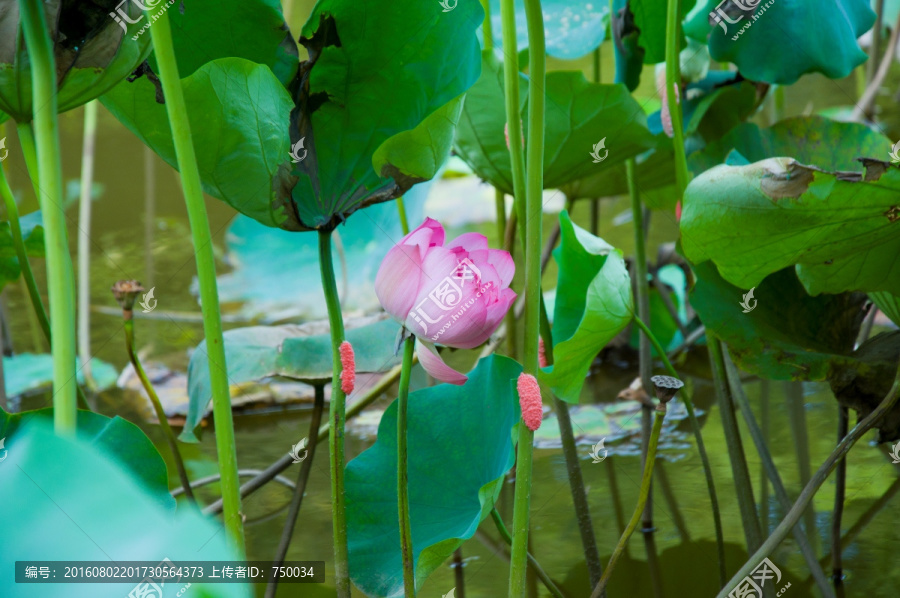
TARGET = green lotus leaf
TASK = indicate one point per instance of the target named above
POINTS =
(115, 435)
(786, 334)
(579, 116)
(828, 144)
(81, 495)
(650, 19)
(240, 143)
(572, 29)
(294, 352)
(361, 87)
(256, 31)
(453, 479)
(777, 41)
(716, 104)
(839, 228)
(92, 50)
(593, 304)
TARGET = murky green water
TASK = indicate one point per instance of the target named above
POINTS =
(132, 238)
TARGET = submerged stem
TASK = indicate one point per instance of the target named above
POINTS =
(337, 418)
(809, 491)
(157, 406)
(642, 500)
(60, 278)
(302, 479)
(206, 275)
(535, 566)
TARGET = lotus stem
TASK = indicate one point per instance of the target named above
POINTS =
(12, 213)
(642, 296)
(84, 237)
(797, 417)
(739, 469)
(701, 448)
(300, 488)
(487, 29)
(673, 78)
(535, 566)
(60, 278)
(157, 405)
(840, 491)
(809, 491)
(406, 545)
(206, 275)
(401, 210)
(337, 418)
(642, 500)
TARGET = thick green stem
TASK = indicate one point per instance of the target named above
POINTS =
(84, 237)
(740, 471)
(157, 406)
(206, 275)
(673, 82)
(401, 210)
(809, 491)
(533, 215)
(406, 546)
(642, 500)
(535, 566)
(337, 418)
(771, 471)
(60, 278)
(701, 448)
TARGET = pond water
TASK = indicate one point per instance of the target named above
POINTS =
(132, 237)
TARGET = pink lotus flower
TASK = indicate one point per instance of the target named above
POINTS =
(454, 294)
